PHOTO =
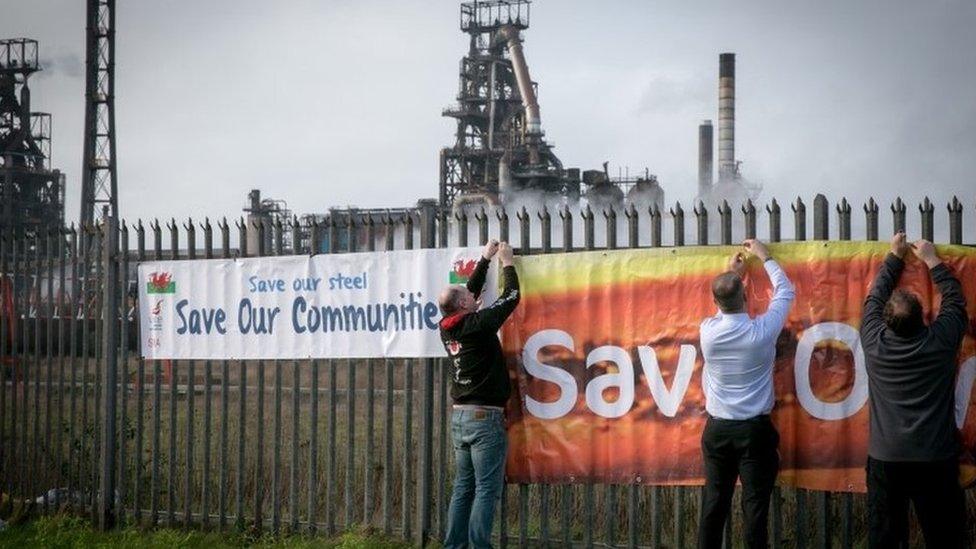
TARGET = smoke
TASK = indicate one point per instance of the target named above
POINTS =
(70, 65)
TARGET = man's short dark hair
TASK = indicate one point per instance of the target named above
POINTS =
(903, 313)
(728, 292)
(449, 299)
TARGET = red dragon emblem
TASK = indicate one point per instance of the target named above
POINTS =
(160, 280)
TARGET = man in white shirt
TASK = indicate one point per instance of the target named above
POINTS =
(739, 440)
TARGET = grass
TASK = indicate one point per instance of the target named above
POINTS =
(67, 532)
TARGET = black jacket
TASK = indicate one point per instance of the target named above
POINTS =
(471, 340)
(911, 379)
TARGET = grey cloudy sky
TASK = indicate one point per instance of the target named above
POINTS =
(337, 102)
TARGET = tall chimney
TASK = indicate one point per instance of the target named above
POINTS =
(726, 116)
(705, 141)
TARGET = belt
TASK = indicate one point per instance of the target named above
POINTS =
(477, 407)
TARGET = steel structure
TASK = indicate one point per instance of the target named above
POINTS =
(32, 193)
(499, 147)
(99, 187)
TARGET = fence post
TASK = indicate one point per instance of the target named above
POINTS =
(955, 221)
(567, 218)
(611, 216)
(482, 217)
(546, 227)
(525, 236)
(927, 209)
(588, 240)
(462, 228)
(871, 219)
(679, 224)
(898, 209)
(799, 219)
(110, 292)
(502, 216)
(775, 231)
(633, 229)
(821, 218)
(701, 214)
(725, 214)
(749, 211)
(655, 214)
(844, 219)
(428, 211)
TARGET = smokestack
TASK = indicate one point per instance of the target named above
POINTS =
(726, 116)
(705, 141)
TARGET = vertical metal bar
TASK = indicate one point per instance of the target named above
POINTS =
(407, 457)
(610, 518)
(610, 215)
(156, 481)
(774, 221)
(545, 228)
(14, 476)
(123, 323)
(588, 514)
(821, 221)
(749, 211)
(823, 520)
(388, 451)
(656, 231)
(48, 343)
(242, 229)
(276, 444)
(207, 401)
(523, 514)
(296, 412)
(565, 496)
(110, 288)
(482, 218)
(330, 486)
(844, 219)
(655, 509)
(801, 519)
(262, 229)
(927, 210)
(222, 480)
(4, 278)
(955, 221)
(425, 466)
(462, 228)
(725, 215)
(847, 522)
(174, 247)
(313, 412)
(679, 523)
(678, 215)
(567, 218)
(191, 247)
(443, 430)
(871, 219)
(799, 219)
(502, 216)
(633, 226)
(632, 502)
(140, 391)
(588, 230)
(503, 518)
(34, 467)
(525, 237)
(701, 215)
(100, 268)
(898, 209)
(543, 514)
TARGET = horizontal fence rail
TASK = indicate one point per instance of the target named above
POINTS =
(325, 446)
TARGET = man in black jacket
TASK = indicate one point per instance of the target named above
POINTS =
(913, 449)
(480, 388)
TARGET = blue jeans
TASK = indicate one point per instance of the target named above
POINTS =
(480, 444)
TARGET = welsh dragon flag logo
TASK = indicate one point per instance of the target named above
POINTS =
(462, 270)
(161, 283)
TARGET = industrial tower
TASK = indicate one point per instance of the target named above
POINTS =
(500, 147)
(99, 184)
(31, 193)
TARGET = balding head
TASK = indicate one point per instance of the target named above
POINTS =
(454, 299)
(728, 293)
(903, 313)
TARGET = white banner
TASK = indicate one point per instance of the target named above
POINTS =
(360, 305)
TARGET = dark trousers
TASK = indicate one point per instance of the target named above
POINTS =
(734, 449)
(931, 486)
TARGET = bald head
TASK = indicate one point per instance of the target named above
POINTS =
(449, 300)
(727, 290)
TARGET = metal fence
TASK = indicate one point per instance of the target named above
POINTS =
(323, 446)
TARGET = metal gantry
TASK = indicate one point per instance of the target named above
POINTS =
(99, 177)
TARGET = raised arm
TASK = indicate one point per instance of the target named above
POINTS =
(477, 281)
(950, 324)
(771, 322)
(491, 318)
(872, 320)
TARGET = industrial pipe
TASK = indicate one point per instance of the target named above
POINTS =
(726, 116)
(533, 121)
(705, 141)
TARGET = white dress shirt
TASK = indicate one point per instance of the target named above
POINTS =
(739, 353)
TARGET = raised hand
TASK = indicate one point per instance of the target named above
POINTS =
(925, 251)
(756, 248)
(737, 264)
(506, 254)
(491, 248)
(899, 245)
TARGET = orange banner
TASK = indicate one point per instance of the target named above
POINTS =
(604, 355)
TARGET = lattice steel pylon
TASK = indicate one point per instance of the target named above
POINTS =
(99, 187)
